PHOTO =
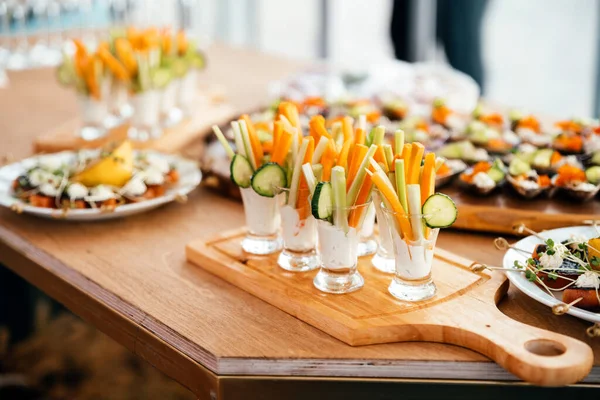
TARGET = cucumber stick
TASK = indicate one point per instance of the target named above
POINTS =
(241, 171)
(237, 138)
(223, 141)
(401, 184)
(310, 177)
(378, 134)
(322, 201)
(439, 211)
(247, 144)
(297, 172)
(338, 186)
(319, 150)
(398, 141)
(413, 193)
(318, 171)
(268, 179)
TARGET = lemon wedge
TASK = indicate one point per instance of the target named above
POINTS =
(115, 169)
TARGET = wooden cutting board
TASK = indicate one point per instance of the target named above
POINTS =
(210, 108)
(463, 313)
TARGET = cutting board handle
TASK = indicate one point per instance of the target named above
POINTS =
(535, 355)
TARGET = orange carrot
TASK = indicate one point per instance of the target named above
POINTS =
(388, 193)
(113, 64)
(362, 198)
(428, 178)
(254, 140)
(277, 129)
(80, 47)
(347, 128)
(317, 123)
(360, 136)
(182, 43)
(343, 157)
(416, 158)
(267, 146)
(328, 161)
(290, 111)
(90, 74)
(360, 152)
(310, 150)
(406, 156)
(283, 147)
(380, 158)
(125, 54)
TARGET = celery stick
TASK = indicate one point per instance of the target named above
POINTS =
(237, 137)
(398, 141)
(286, 122)
(337, 133)
(378, 135)
(246, 139)
(401, 184)
(360, 176)
(414, 205)
(309, 175)
(319, 150)
(389, 155)
(224, 142)
(318, 171)
(297, 170)
(295, 145)
(362, 122)
(338, 185)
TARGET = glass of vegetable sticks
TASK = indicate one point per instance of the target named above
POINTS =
(383, 260)
(299, 233)
(413, 253)
(338, 251)
(262, 222)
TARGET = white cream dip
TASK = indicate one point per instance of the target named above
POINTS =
(262, 213)
(338, 250)
(93, 112)
(413, 261)
(299, 236)
(146, 106)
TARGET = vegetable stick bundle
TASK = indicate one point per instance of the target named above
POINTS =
(406, 180)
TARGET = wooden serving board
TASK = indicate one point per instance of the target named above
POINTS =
(463, 313)
(210, 109)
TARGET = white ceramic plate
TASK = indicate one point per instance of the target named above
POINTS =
(189, 179)
(532, 290)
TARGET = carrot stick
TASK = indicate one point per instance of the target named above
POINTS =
(277, 129)
(360, 152)
(360, 136)
(343, 157)
(91, 74)
(347, 123)
(125, 54)
(406, 156)
(290, 111)
(182, 43)
(310, 150)
(283, 147)
(380, 158)
(267, 146)
(113, 64)
(317, 123)
(362, 198)
(328, 161)
(428, 177)
(416, 158)
(254, 140)
(387, 191)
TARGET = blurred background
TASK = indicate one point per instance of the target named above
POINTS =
(540, 55)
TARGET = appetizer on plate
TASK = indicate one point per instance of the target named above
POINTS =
(483, 177)
(576, 183)
(528, 129)
(464, 151)
(526, 181)
(448, 121)
(449, 170)
(92, 180)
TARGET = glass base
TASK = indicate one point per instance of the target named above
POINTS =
(92, 132)
(384, 264)
(367, 247)
(172, 117)
(338, 282)
(261, 245)
(298, 262)
(412, 290)
(143, 134)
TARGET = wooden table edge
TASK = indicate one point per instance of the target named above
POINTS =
(195, 367)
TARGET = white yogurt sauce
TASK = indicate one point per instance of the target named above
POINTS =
(480, 155)
(300, 236)
(92, 111)
(588, 279)
(385, 238)
(39, 176)
(146, 107)
(152, 176)
(77, 191)
(51, 163)
(583, 186)
(338, 250)
(47, 189)
(134, 188)
(413, 261)
(593, 143)
(158, 162)
(528, 184)
(483, 180)
(262, 213)
(100, 193)
(455, 122)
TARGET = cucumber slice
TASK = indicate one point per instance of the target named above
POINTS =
(268, 178)
(496, 174)
(439, 211)
(161, 77)
(64, 75)
(179, 67)
(322, 201)
(241, 171)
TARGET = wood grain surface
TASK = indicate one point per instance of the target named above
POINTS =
(129, 277)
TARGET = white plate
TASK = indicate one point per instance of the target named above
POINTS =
(532, 290)
(189, 179)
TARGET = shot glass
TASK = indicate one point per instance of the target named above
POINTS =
(299, 232)
(94, 114)
(262, 221)
(383, 260)
(367, 245)
(145, 120)
(414, 247)
(170, 112)
(188, 90)
(338, 253)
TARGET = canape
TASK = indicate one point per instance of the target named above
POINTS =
(484, 177)
(464, 151)
(449, 170)
(526, 181)
(574, 182)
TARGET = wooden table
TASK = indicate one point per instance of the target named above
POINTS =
(130, 279)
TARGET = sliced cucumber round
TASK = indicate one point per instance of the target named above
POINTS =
(64, 75)
(241, 171)
(439, 211)
(161, 77)
(322, 201)
(268, 179)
